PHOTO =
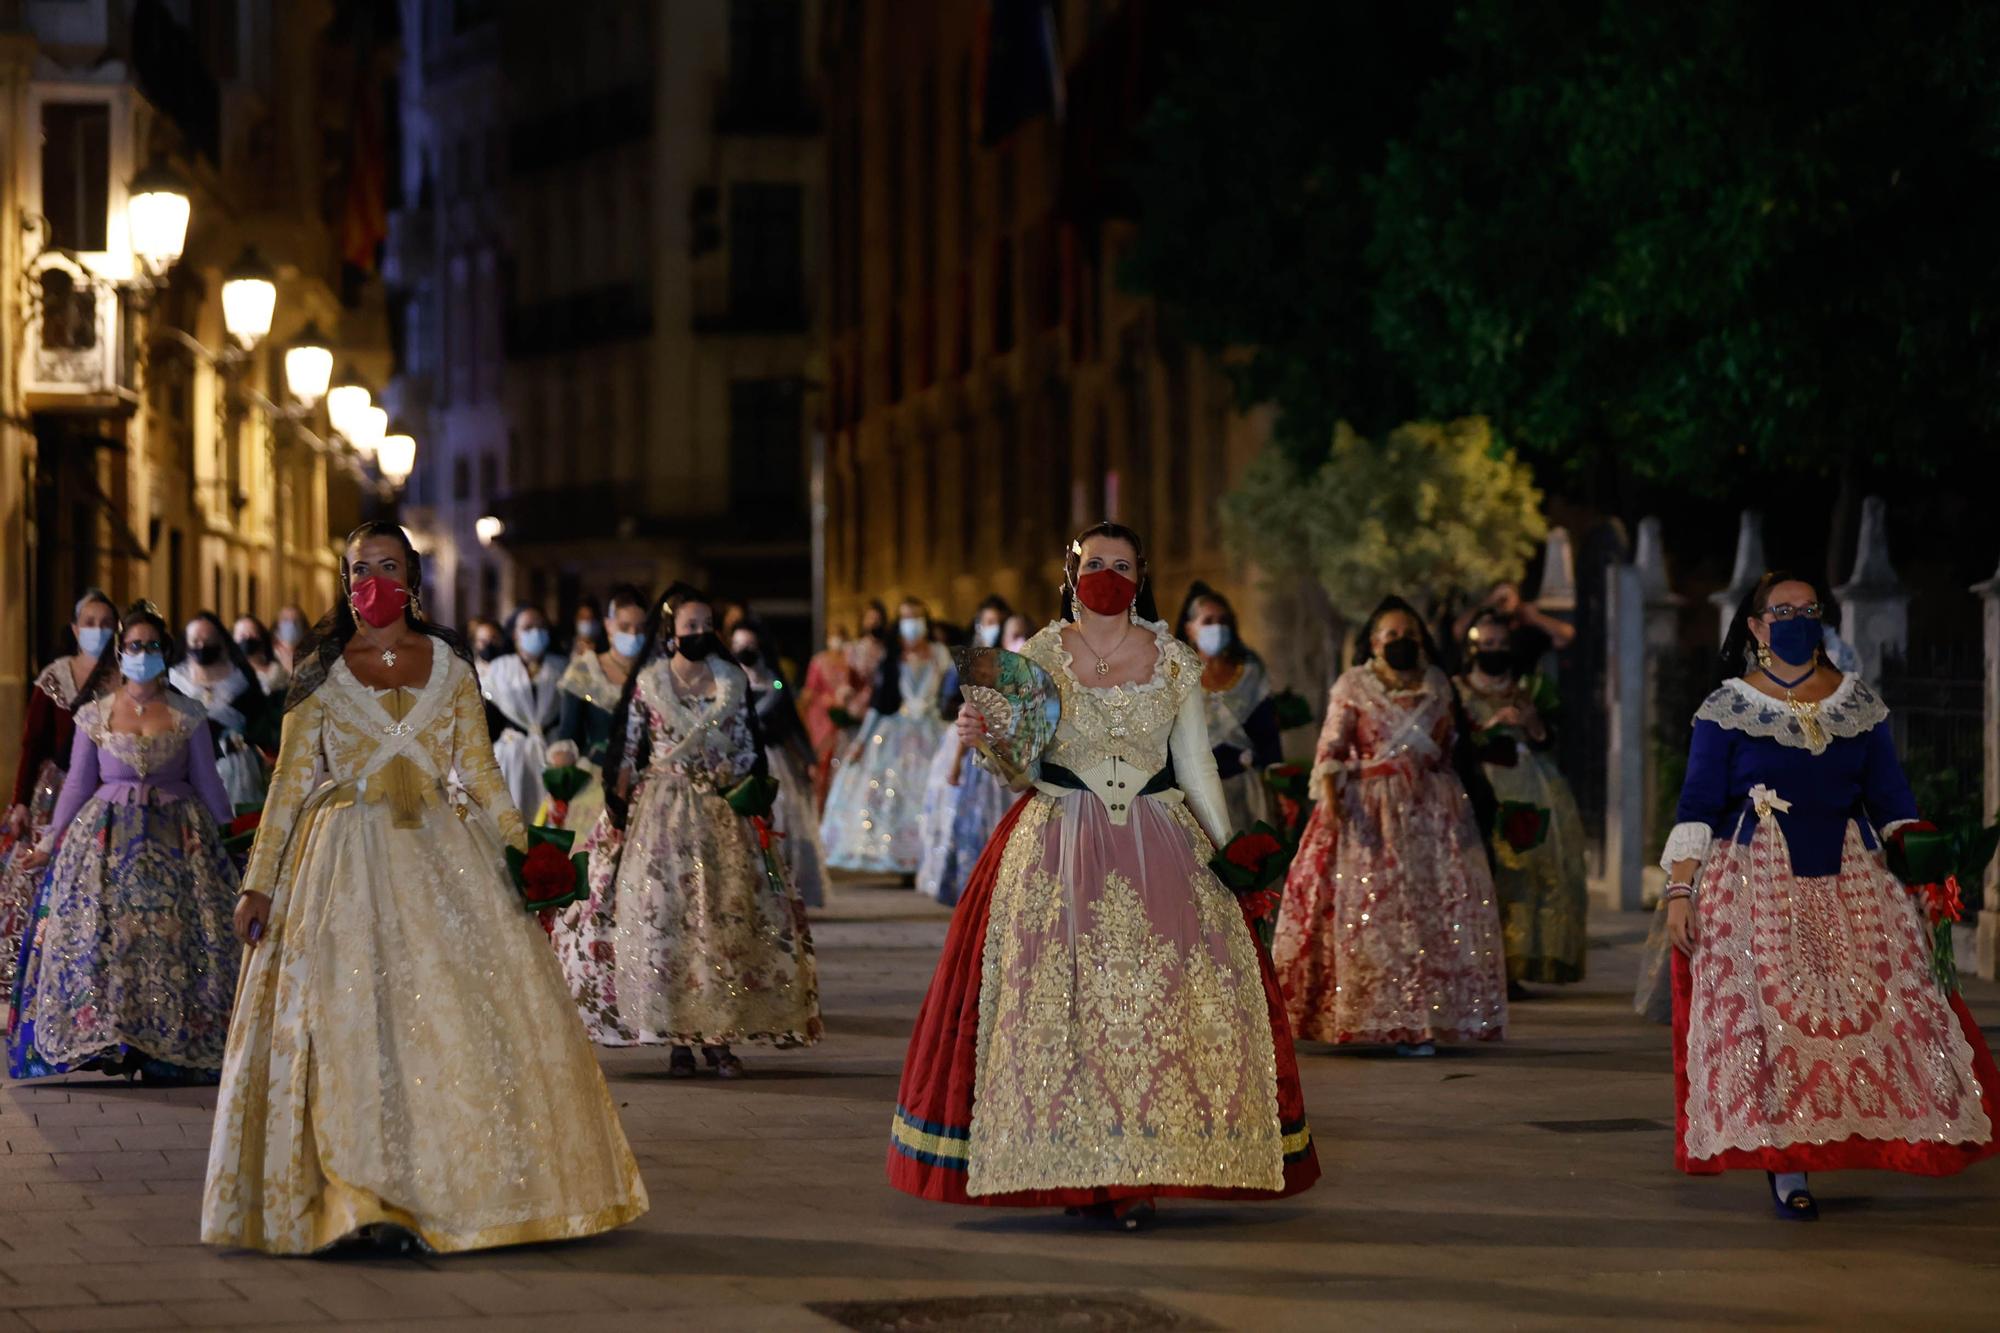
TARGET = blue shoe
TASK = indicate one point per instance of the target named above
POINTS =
(1798, 1206)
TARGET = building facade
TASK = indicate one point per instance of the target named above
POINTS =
(992, 390)
(612, 322)
(141, 449)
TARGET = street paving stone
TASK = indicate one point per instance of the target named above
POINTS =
(1525, 1185)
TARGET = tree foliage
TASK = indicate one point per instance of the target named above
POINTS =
(1431, 508)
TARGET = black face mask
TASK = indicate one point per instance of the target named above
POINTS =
(492, 652)
(254, 647)
(1401, 654)
(694, 647)
(1494, 662)
(749, 657)
(208, 654)
(879, 633)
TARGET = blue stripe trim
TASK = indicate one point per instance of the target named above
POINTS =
(928, 1158)
(932, 1127)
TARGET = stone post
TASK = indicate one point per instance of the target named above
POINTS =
(1557, 593)
(1662, 614)
(1628, 757)
(1874, 605)
(1988, 921)
(1749, 568)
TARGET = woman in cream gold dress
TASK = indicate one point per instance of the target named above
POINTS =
(403, 1060)
(1102, 1029)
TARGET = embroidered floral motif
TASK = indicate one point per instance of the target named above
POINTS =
(1130, 722)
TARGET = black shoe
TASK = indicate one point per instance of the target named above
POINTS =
(680, 1064)
(1798, 1206)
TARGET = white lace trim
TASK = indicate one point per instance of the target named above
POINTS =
(1688, 842)
(1163, 642)
(1852, 709)
(1888, 830)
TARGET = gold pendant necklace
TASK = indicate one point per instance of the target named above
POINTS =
(1103, 667)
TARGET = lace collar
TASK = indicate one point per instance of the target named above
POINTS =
(585, 679)
(1056, 651)
(214, 693)
(58, 681)
(1853, 709)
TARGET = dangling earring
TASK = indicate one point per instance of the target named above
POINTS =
(1764, 656)
(416, 604)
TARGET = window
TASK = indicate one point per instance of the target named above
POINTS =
(76, 173)
(765, 267)
(461, 478)
(766, 445)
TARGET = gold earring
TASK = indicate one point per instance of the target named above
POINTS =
(1764, 655)
(416, 604)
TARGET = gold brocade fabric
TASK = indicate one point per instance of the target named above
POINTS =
(1124, 1034)
(403, 1048)
(1130, 722)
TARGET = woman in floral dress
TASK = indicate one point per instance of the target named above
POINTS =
(1389, 932)
(692, 935)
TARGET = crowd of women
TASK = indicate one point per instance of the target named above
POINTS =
(1104, 1027)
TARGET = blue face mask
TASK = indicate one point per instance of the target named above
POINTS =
(628, 645)
(912, 628)
(533, 642)
(1794, 640)
(141, 667)
(989, 635)
(92, 640)
(1211, 639)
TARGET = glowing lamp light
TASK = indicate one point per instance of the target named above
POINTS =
(343, 401)
(370, 425)
(249, 298)
(156, 213)
(397, 457)
(308, 365)
(488, 528)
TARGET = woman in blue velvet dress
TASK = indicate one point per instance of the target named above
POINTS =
(1809, 1032)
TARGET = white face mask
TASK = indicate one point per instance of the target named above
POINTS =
(628, 645)
(92, 640)
(988, 635)
(532, 642)
(1212, 639)
(290, 631)
(912, 628)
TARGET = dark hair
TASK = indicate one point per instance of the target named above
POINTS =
(993, 602)
(328, 639)
(881, 611)
(1364, 651)
(659, 630)
(625, 594)
(263, 633)
(141, 612)
(588, 603)
(1144, 605)
(254, 694)
(1735, 658)
(1197, 593)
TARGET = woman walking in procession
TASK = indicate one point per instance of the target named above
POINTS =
(1388, 931)
(524, 706)
(403, 1060)
(130, 965)
(1538, 832)
(1809, 1031)
(46, 737)
(1102, 1029)
(963, 800)
(794, 817)
(590, 687)
(215, 673)
(1236, 691)
(692, 935)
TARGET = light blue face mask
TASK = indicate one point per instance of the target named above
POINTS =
(141, 667)
(627, 645)
(92, 640)
(912, 628)
(1211, 639)
(533, 642)
(989, 635)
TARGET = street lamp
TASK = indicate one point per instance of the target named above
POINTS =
(366, 430)
(487, 527)
(344, 400)
(156, 210)
(309, 365)
(249, 297)
(397, 457)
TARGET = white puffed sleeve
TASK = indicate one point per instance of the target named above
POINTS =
(1194, 769)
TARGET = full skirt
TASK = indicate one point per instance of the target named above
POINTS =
(1388, 930)
(1102, 1025)
(522, 758)
(17, 881)
(874, 812)
(1544, 891)
(131, 949)
(1809, 1034)
(958, 819)
(690, 936)
(795, 817)
(404, 1051)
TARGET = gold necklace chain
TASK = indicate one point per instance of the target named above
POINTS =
(1103, 667)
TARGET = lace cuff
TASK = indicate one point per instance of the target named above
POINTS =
(1688, 842)
(1324, 769)
(1889, 830)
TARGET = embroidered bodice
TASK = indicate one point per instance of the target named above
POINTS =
(1367, 723)
(124, 766)
(383, 747)
(584, 679)
(704, 740)
(1125, 734)
(49, 729)
(1745, 739)
(218, 697)
(922, 682)
(1230, 707)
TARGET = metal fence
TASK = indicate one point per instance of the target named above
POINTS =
(1935, 694)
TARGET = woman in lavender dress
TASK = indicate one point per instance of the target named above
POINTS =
(130, 965)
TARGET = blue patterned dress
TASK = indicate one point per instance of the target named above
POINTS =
(130, 960)
(874, 811)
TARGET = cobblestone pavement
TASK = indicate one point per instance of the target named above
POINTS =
(1527, 1185)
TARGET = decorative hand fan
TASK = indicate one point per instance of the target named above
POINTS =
(1018, 701)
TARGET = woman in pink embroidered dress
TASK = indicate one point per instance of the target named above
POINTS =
(1389, 931)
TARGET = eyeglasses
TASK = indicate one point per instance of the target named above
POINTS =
(1810, 611)
(151, 647)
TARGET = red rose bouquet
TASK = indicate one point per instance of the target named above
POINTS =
(242, 832)
(1252, 866)
(1521, 825)
(1935, 864)
(1290, 786)
(562, 785)
(547, 875)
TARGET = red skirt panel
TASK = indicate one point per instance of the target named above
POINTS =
(933, 1125)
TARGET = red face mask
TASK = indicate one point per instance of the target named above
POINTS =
(379, 600)
(1106, 591)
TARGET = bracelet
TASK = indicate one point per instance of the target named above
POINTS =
(1674, 891)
